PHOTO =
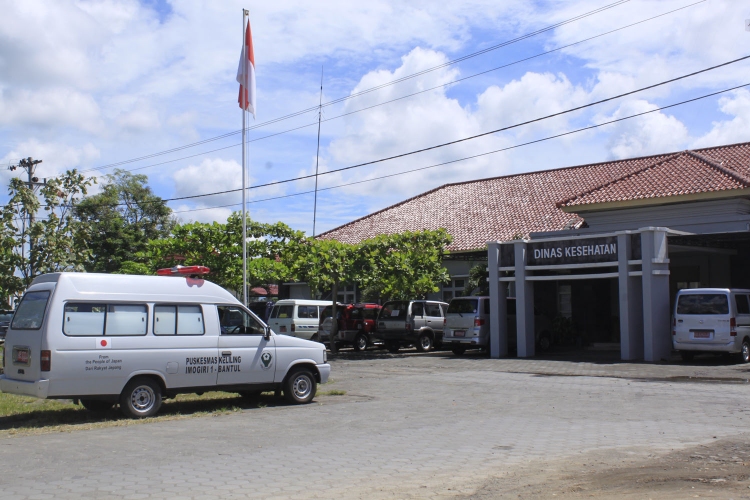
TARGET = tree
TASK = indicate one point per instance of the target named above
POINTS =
(57, 242)
(396, 266)
(219, 247)
(477, 282)
(123, 217)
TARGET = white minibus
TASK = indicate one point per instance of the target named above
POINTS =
(107, 339)
(297, 317)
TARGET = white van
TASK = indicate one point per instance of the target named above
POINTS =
(105, 339)
(712, 320)
(297, 317)
(467, 324)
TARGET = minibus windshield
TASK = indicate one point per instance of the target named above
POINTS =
(704, 303)
(30, 312)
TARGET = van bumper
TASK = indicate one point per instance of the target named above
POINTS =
(36, 389)
(325, 372)
(695, 346)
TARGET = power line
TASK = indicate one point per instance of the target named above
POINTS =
(372, 89)
(406, 96)
(483, 134)
(477, 155)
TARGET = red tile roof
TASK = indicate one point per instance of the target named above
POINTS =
(501, 208)
(259, 290)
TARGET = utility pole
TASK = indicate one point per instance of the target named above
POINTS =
(29, 164)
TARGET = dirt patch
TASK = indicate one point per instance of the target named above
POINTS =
(717, 470)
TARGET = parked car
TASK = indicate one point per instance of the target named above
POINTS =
(297, 318)
(402, 323)
(712, 320)
(356, 325)
(5, 317)
(467, 325)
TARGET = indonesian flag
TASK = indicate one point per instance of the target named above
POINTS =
(246, 74)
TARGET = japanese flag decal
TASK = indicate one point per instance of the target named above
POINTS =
(104, 343)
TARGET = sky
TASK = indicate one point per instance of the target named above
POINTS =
(88, 84)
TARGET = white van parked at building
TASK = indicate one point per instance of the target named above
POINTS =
(297, 317)
(133, 340)
(712, 320)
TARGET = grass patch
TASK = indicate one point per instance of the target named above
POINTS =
(332, 392)
(21, 415)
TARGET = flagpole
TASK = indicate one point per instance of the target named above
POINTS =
(317, 154)
(244, 175)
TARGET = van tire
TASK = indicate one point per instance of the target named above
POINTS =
(745, 351)
(141, 398)
(393, 347)
(96, 405)
(425, 343)
(300, 386)
(545, 341)
(459, 350)
(360, 342)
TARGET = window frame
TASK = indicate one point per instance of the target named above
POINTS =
(177, 320)
(106, 305)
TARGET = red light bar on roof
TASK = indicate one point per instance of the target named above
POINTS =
(183, 271)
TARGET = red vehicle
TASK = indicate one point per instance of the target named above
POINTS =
(356, 324)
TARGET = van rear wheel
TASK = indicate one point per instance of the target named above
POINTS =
(96, 406)
(745, 351)
(424, 343)
(458, 350)
(141, 398)
(360, 342)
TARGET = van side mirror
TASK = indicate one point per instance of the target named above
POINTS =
(267, 332)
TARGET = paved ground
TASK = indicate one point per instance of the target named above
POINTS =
(409, 426)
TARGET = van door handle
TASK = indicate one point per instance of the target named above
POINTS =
(226, 353)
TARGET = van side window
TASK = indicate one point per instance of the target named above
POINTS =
(433, 310)
(126, 319)
(178, 320)
(84, 319)
(742, 305)
(417, 309)
(236, 321)
(307, 312)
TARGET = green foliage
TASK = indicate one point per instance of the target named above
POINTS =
(219, 246)
(56, 241)
(477, 283)
(123, 217)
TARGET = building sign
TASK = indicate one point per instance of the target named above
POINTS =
(579, 251)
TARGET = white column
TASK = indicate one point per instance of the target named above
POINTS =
(657, 340)
(631, 303)
(498, 304)
(524, 305)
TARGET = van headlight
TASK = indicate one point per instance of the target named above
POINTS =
(325, 356)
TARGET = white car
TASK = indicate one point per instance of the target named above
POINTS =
(133, 340)
(712, 320)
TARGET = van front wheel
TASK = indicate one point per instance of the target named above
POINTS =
(300, 387)
(424, 343)
(141, 398)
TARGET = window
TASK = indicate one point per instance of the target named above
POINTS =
(282, 312)
(83, 319)
(703, 303)
(454, 288)
(236, 321)
(178, 320)
(433, 310)
(394, 310)
(307, 312)
(126, 319)
(30, 312)
(347, 295)
(742, 305)
(463, 306)
(417, 309)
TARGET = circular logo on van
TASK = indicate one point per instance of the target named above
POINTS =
(265, 360)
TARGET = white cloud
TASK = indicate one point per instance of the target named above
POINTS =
(56, 158)
(49, 108)
(648, 134)
(730, 131)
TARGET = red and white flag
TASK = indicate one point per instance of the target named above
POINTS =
(246, 74)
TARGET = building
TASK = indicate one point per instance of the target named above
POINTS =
(606, 245)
